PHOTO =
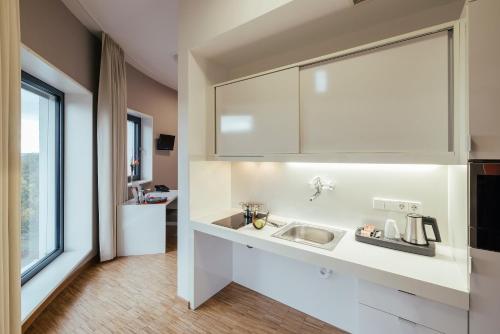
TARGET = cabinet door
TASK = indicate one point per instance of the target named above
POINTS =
(442, 318)
(484, 78)
(484, 294)
(373, 321)
(258, 115)
(389, 99)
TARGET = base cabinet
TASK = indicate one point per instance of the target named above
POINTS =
(385, 310)
(373, 321)
(141, 229)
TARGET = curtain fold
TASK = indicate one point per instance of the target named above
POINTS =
(111, 143)
(10, 161)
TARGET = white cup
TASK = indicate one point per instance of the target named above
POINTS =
(391, 230)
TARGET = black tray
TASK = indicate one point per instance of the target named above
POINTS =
(397, 244)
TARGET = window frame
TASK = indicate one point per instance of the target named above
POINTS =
(137, 146)
(39, 87)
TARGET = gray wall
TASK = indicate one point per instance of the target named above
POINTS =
(151, 97)
(51, 30)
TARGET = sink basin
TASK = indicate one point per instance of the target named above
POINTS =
(317, 236)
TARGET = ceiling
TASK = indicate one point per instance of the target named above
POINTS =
(276, 35)
(145, 29)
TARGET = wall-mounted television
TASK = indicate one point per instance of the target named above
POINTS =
(165, 143)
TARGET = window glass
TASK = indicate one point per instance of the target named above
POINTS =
(40, 192)
(133, 148)
(130, 146)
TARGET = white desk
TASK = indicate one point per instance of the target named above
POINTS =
(141, 228)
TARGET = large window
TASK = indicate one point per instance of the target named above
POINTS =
(134, 147)
(41, 175)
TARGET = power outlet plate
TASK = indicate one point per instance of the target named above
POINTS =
(397, 205)
(415, 207)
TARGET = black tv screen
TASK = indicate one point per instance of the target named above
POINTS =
(165, 142)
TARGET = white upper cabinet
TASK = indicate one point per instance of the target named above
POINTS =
(391, 99)
(258, 116)
(484, 79)
(401, 100)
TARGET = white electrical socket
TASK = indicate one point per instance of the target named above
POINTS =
(397, 205)
(402, 206)
(415, 207)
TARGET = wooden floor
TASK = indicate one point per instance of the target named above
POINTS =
(138, 295)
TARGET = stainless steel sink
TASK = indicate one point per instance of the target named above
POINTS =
(317, 236)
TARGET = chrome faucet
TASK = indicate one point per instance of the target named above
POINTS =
(315, 195)
(319, 186)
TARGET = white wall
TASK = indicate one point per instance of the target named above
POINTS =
(458, 215)
(210, 187)
(284, 188)
(80, 232)
(212, 18)
(353, 26)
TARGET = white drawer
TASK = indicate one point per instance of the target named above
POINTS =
(441, 317)
(373, 321)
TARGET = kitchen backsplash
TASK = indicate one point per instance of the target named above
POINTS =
(285, 189)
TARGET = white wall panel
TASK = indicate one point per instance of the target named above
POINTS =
(212, 266)
(284, 188)
(458, 215)
(484, 71)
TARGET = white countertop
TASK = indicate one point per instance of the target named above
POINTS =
(436, 278)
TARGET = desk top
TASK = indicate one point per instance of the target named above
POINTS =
(171, 195)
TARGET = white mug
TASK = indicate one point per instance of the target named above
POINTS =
(391, 230)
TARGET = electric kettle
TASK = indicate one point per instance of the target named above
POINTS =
(415, 229)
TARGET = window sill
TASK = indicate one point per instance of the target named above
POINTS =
(135, 183)
(41, 286)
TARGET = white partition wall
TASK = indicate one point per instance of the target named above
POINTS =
(210, 58)
(212, 266)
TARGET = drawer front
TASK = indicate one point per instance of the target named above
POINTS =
(443, 318)
(373, 321)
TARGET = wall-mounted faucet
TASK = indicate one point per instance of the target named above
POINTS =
(320, 185)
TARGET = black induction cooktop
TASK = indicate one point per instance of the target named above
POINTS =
(235, 221)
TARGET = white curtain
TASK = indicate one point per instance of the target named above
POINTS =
(10, 160)
(111, 143)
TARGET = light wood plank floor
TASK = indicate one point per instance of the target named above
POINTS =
(138, 295)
